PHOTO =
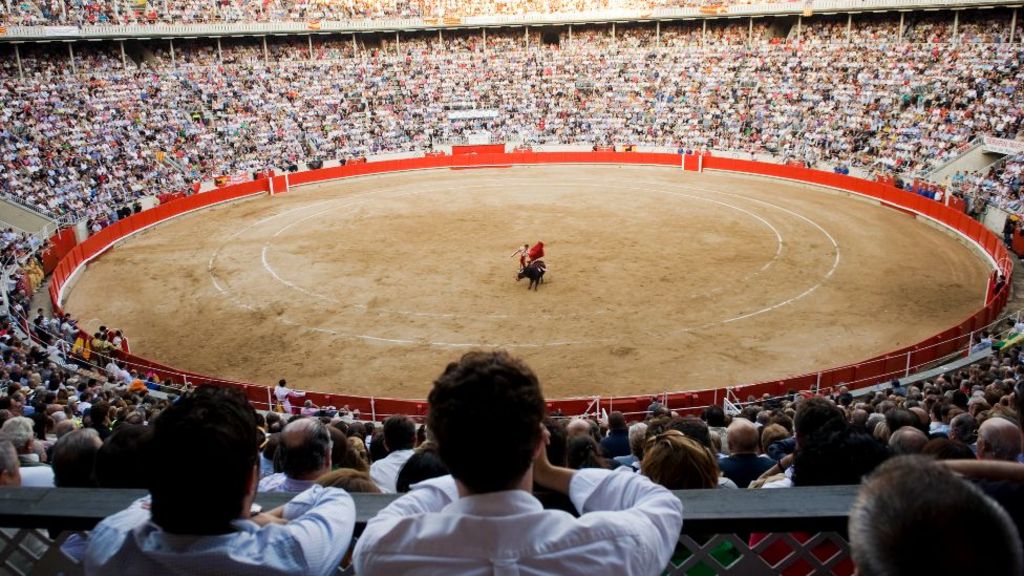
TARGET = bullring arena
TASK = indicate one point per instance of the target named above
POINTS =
(659, 280)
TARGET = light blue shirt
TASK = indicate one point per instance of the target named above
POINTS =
(316, 537)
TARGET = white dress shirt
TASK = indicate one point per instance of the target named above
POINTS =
(314, 541)
(280, 482)
(628, 525)
(384, 473)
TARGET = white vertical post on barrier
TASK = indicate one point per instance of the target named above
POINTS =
(907, 371)
(700, 162)
(817, 384)
(970, 342)
(17, 58)
(271, 180)
(286, 185)
(270, 401)
(373, 409)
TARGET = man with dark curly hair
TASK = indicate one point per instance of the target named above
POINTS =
(202, 460)
(483, 518)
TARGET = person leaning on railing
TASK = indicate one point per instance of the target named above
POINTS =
(199, 519)
(483, 518)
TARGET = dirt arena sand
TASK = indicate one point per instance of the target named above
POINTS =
(658, 280)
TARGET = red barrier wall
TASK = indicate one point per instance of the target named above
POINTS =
(871, 371)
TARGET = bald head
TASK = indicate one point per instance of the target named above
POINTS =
(907, 440)
(305, 449)
(998, 439)
(742, 436)
(577, 427)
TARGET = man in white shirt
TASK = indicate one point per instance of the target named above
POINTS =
(305, 455)
(184, 528)
(34, 472)
(399, 440)
(284, 394)
(483, 519)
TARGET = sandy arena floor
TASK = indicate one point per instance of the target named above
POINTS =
(658, 280)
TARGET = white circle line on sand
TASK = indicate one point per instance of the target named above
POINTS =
(402, 341)
(391, 311)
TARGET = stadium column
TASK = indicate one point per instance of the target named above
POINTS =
(1013, 25)
(570, 33)
(956, 27)
(220, 53)
(657, 33)
(173, 62)
(750, 31)
(849, 28)
(266, 53)
(310, 38)
(71, 52)
(485, 40)
(398, 44)
(526, 36)
(613, 32)
(899, 38)
(355, 49)
(17, 59)
(124, 58)
(799, 25)
(704, 33)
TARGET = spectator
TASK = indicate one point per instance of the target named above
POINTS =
(305, 455)
(214, 430)
(10, 469)
(999, 439)
(74, 459)
(349, 480)
(678, 462)
(583, 452)
(33, 471)
(637, 437)
(484, 510)
(744, 464)
(963, 428)
(907, 440)
(121, 460)
(910, 505)
(424, 464)
(616, 443)
(399, 440)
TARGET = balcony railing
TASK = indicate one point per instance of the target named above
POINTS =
(805, 528)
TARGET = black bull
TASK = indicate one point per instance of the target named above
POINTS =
(535, 272)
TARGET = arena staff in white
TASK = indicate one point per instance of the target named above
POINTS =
(283, 394)
(483, 518)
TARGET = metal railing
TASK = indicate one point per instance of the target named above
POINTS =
(804, 528)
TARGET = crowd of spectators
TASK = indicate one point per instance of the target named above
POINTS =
(86, 144)
(115, 12)
(999, 185)
(60, 430)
